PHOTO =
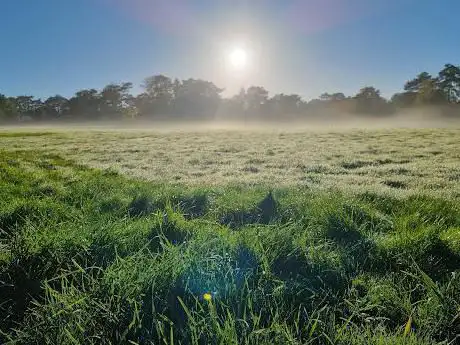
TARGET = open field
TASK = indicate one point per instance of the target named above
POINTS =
(398, 161)
(137, 237)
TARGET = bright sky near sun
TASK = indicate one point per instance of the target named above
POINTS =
(292, 46)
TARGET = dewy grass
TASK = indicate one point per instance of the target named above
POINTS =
(90, 256)
(387, 161)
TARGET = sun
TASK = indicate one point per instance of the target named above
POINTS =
(238, 58)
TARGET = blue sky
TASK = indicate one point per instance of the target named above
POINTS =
(297, 46)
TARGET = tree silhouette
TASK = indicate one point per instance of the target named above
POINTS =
(369, 101)
(168, 98)
(256, 97)
(449, 82)
(8, 111)
(429, 93)
(86, 104)
(55, 106)
(404, 99)
(286, 104)
(415, 84)
(114, 99)
(196, 96)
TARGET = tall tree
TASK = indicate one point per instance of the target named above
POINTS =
(158, 86)
(286, 104)
(236, 106)
(8, 111)
(449, 82)
(338, 96)
(325, 97)
(55, 106)
(86, 104)
(198, 97)
(429, 93)
(24, 105)
(28, 108)
(256, 97)
(158, 95)
(368, 92)
(114, 99)
(369, 101)
(415, 84)
(404, 99)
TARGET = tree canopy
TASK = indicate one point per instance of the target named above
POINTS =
(167, 98)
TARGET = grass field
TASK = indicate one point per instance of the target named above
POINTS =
(230, 237)
(401, 161)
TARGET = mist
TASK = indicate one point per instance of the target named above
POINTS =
(411, 119)
(170, 103)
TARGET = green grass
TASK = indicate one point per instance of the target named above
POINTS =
(92, 256)
(388, 161)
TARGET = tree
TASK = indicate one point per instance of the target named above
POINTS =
(335, 97)
(176, 86)
(142, 103)
(236, 106)
(424, 89)
(429, 93)
(86, 104)
(449, 82)
(158, 86)
(55, 106)
(114, 98)
(338, 96)
(24, 105)
(8, 111)
(325, 97)
(159, 94)
(197, 97)
(415, 84)
(241, 99)
(404, 99)
(256, 97)
(286, 104)
(368, 93)
(369, 101)
(28, 108)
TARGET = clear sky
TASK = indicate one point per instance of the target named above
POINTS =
(295, 46)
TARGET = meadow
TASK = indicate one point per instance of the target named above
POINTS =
(230, 236)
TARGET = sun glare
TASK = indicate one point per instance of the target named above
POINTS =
(238, 58)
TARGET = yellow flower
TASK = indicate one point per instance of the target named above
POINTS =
(207, 297)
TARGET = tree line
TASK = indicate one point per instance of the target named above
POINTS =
(165, 98)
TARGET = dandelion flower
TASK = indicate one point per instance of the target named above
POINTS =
(207, 296)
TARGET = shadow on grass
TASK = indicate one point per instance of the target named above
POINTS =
(359, 253)
(263, 213)
(19, 286)
(194, 206)
(112, 205)
(355, 164)
(395, 184)
(432, 255)
(15, 218)
(190, 207)
(439, 259)
(23, 277)
(30, 211)
(169, 229)
(141, 206)
(342, 231)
